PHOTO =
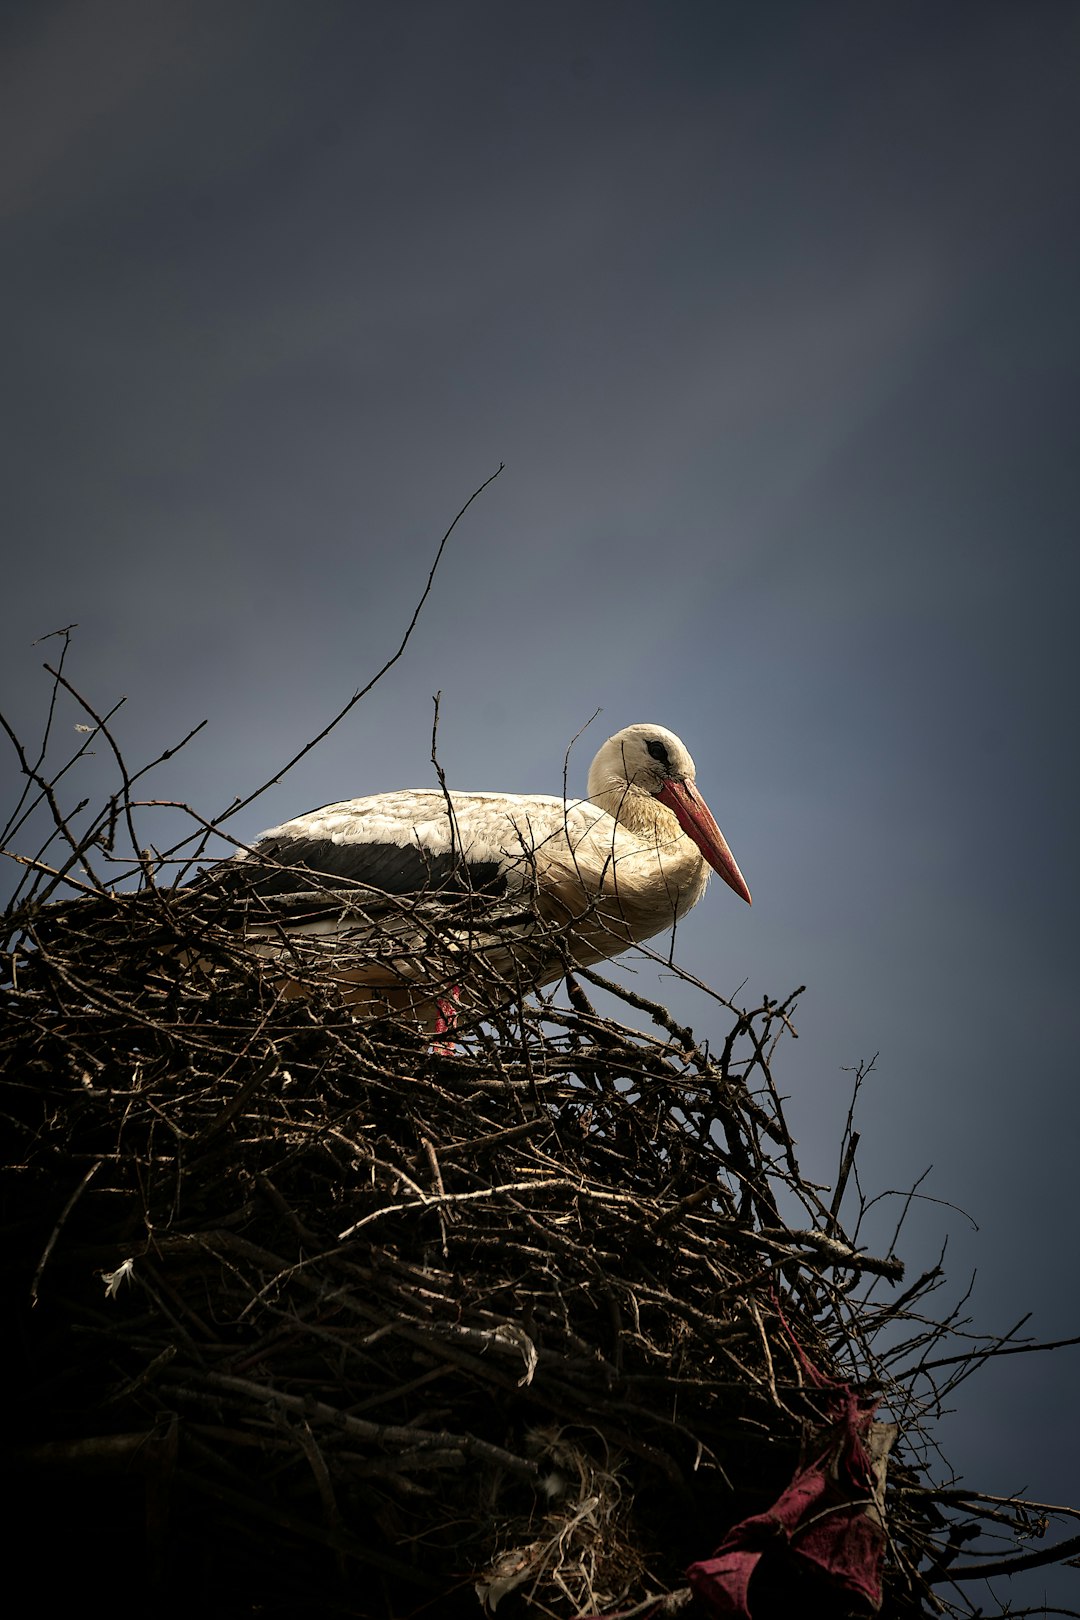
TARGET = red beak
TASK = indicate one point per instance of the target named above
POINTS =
(696, 820)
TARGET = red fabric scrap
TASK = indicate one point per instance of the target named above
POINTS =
(820, 1521)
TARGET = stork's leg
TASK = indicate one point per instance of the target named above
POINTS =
(445, 1019)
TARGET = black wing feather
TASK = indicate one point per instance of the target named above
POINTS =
(281, 866)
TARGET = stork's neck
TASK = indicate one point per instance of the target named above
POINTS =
(637, 811)
(666, 874)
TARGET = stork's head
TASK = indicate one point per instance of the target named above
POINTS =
(651, 760)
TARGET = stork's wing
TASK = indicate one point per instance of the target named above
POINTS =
(389, 888)
(280, 866)
(408, 844)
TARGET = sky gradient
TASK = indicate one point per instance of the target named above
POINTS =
(771, 314)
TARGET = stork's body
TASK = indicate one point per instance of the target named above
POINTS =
(389, 893)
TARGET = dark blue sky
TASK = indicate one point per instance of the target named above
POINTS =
(771, 312)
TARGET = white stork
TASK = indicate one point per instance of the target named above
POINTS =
(399, 895)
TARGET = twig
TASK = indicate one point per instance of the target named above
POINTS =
(242, 803)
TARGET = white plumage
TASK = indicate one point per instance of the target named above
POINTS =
(402, 896)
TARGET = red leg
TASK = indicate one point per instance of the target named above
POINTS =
(445, 1020)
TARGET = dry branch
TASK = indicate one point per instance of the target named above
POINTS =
(338, 1323)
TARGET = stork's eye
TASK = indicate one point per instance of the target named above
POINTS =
(660, 754)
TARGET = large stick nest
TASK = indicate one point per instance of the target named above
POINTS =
(316, 1317)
